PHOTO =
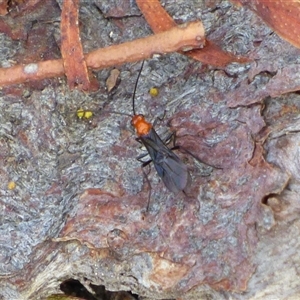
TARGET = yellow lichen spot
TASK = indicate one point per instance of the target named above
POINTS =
(11, 185)
(84, 114)
(153, 91)
(80, 113)
(88, 114)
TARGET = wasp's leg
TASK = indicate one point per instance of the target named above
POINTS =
(138, 140)
(159, 119)
(150, 188)
(177, 147)
(145, 163)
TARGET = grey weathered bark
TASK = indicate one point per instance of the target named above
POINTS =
(78, 208)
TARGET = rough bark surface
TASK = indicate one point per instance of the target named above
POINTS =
(73, 195)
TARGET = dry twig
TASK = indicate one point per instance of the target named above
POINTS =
(159, 20)
(185, 37)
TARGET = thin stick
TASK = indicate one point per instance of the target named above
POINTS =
(185, 37)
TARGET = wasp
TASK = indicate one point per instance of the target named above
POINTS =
(169, 167)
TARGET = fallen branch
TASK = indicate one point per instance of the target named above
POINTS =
(185, 37)
(159, 20)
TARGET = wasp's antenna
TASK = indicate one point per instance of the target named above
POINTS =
(117, 112)
(137, 80)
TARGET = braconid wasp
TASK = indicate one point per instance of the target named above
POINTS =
(169, 167)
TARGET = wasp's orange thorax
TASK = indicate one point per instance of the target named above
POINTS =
(141, 126)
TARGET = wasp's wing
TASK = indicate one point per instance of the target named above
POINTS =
(175, 173)
(168, 165)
